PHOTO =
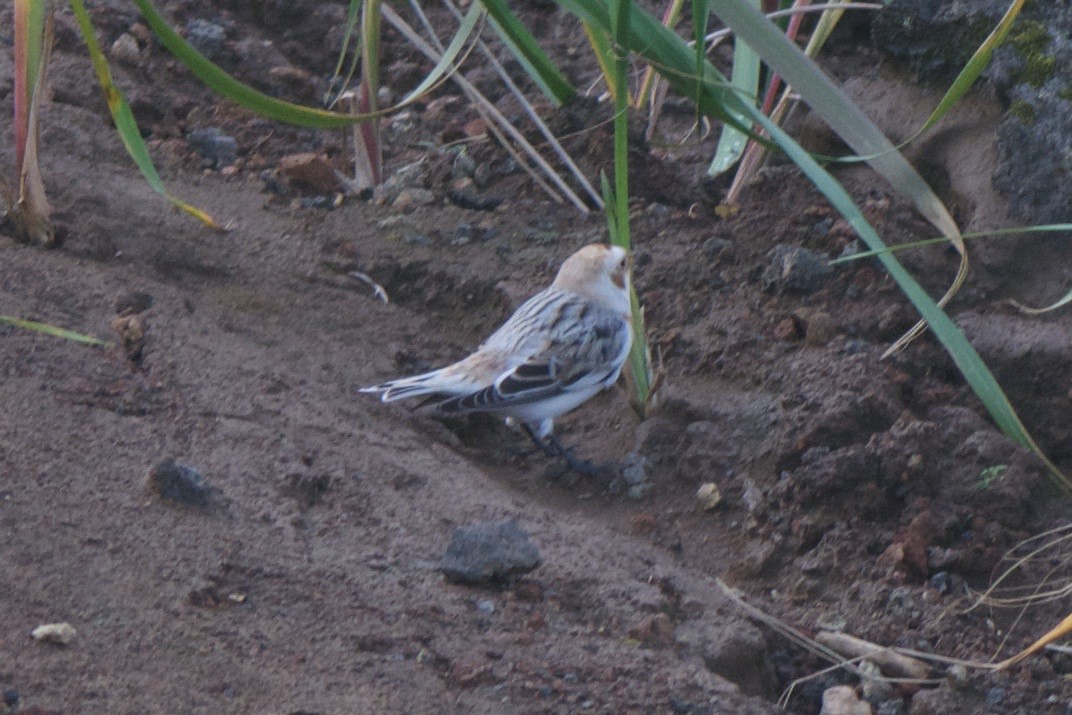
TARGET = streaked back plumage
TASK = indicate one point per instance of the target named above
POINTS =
(559, 348)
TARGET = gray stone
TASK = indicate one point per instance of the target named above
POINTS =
(206, 37)
(791, 269)
(215, 147)
(178, 483)
(489, 552)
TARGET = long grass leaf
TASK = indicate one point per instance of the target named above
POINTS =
(54, 331)
(998, 232)
(124, 118)
(745, 77)
(368, 149)
(270, 107)
(973, 68)
(33, 211)
(523, 46)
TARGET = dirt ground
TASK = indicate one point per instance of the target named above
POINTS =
(858, 494)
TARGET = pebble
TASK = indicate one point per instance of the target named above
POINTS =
(489, 552)
(409, 199)
(639, 491)
(842, 700)
(635, 471)
(487, 607)
(216, 148)
(179, 483)
(57, 633)
(709, 496)
(206, 37)
(873, 686)
(125, 49)
(463, 235)
(309, 171)
(791, 269)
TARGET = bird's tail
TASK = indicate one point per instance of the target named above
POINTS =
(437, 382)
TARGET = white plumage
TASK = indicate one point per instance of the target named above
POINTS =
(561, 347)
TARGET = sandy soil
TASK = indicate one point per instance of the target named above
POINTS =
(854, 489)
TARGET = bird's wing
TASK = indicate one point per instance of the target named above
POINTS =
(580, 346)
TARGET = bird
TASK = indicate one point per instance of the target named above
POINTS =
(561, 347)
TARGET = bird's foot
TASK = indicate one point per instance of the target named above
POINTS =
(554, 449)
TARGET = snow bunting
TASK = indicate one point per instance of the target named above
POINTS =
(561, 347)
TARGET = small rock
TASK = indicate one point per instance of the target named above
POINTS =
(179, 483)
(125, 49)
(291, 75)
(486, 607)
(995, 696)
(709, 496)
(469, 198)
(656, 631)
(957, 676)
(411, 198)
(216, 148)
(639, 491)
(206, 37)
(463, 235)
(57, 633)
(635, 470)
(131, 331)
(794, 270)
(842, 700)
(309, 171)
(489, 552)
(717, 249)
(873, 686)
(10, 698)
(475, 128)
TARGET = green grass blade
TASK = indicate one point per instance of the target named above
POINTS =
(124, 118)
(52, 330)
(351, 23)
(973, 68)
(998, 232)
(277, 109)
(745, 77)
(523, 46)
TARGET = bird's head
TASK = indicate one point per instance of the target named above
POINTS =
(600, 273)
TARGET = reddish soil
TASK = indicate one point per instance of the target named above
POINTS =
(861, 493)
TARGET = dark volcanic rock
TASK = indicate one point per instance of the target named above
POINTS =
(215, 147)
(1031, 72)
(179, 483)
(791, 269)
(489, 552)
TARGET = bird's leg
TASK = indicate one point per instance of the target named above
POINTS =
(554, 449)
